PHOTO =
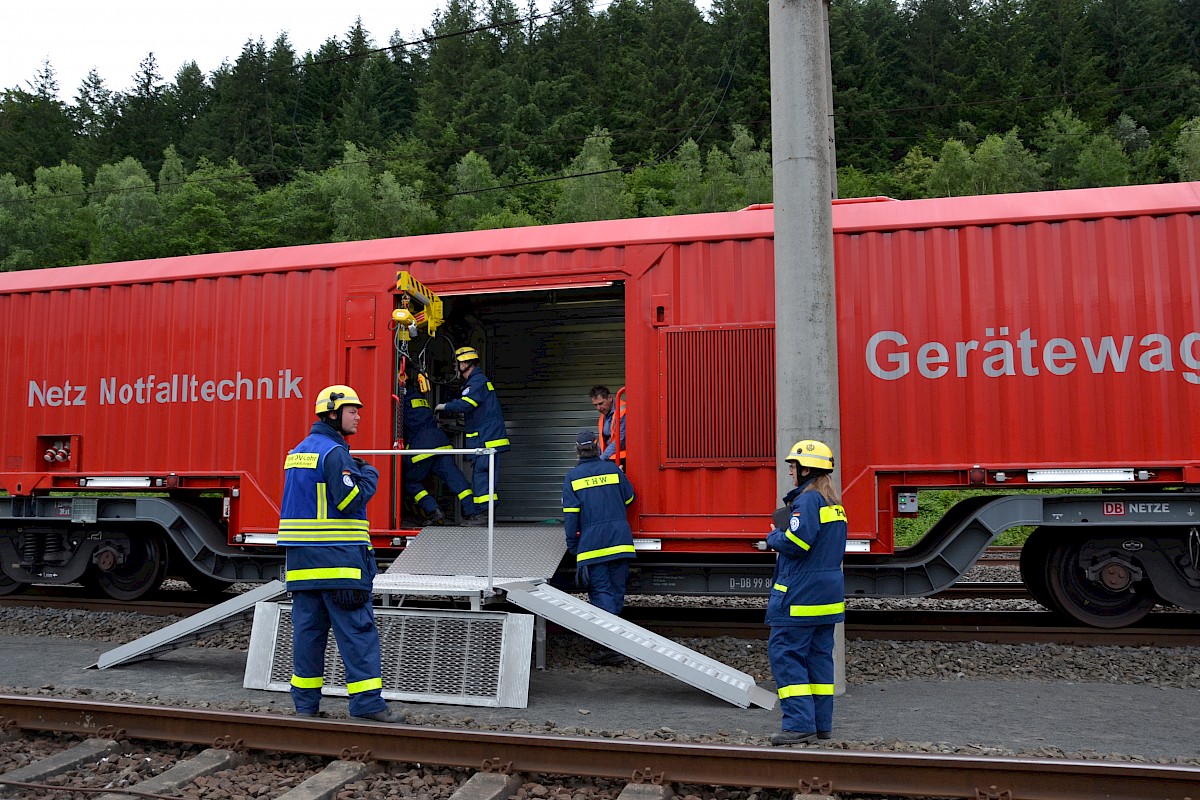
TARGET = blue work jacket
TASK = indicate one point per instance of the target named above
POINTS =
(808, 587)
(421, 431)
(481, 413)
(595, 494)
(323, 517)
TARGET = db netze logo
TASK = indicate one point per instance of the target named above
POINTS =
(1114, 509)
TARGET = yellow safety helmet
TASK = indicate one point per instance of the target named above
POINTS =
(466, 354)
(811, 453)
(334, 397)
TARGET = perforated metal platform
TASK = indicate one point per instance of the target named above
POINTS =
(474, 658)
(454, 560)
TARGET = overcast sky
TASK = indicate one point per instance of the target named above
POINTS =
(114, 37)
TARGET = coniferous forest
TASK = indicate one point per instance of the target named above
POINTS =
(503, 116)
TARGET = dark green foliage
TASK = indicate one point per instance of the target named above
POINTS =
(502, 116)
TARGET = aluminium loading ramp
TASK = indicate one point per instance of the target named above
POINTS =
(657, 652)
(219, 617)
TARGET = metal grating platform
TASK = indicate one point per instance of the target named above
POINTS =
(454, 560)
(473, 658)
(636, 642)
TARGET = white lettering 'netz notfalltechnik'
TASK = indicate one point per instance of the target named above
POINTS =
(178, 387)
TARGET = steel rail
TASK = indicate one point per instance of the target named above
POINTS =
(811, 770)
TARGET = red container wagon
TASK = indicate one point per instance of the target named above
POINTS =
(1010, 343)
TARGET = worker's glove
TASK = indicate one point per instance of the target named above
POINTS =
(361, 462)
(440, 407)
(351, 599)
(581, 577)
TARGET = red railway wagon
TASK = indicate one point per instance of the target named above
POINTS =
(1011, 343)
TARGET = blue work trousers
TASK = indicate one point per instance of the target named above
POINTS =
(606, 582)
(414, 474)
(801, 659)
(479, 482)
(313, 614)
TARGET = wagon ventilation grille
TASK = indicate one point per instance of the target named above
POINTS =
(719, 395)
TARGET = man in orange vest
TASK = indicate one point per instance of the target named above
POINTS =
(610, 448)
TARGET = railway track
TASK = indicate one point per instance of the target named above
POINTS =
(1166, 629)
(651, 767)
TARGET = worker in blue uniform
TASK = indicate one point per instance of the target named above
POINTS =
(324, 531)
(484, 421)
(595, 495)
(421, 432)
(808, 595)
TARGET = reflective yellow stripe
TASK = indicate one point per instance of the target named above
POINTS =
(805, 689)
(818, 611)
(570, 510)
(490, 387)
(799, 542)
(595, 480)
(606, 551)
(469, 435)
(486, 498)
(496, 443)
(308, 683)
(322, 502)
(780, 587)
(324, 574)
(832, 514)
(419, 403)
(472, 402)
(464, 493)
(424, 456)
(349, 498)
(419, 496)
(630, 500)
(301, 461)
(364, 686)
(322, 537)
(324, 524)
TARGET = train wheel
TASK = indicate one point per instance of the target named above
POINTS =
(142, 572)
(9, 586)
(1109, 603)
(1034, 556)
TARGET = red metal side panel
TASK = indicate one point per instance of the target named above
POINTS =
(204, 376)
(718, 286)
(1041, 344)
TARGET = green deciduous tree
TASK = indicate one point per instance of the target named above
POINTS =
(1185, 154)
(595, 188)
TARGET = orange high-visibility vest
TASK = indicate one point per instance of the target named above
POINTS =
(620, 452)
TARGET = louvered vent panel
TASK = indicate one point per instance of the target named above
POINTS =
(715, 413)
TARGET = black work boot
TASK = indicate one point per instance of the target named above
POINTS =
(784, 738)
(389, 715)
(435, 517)
(475, 521)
